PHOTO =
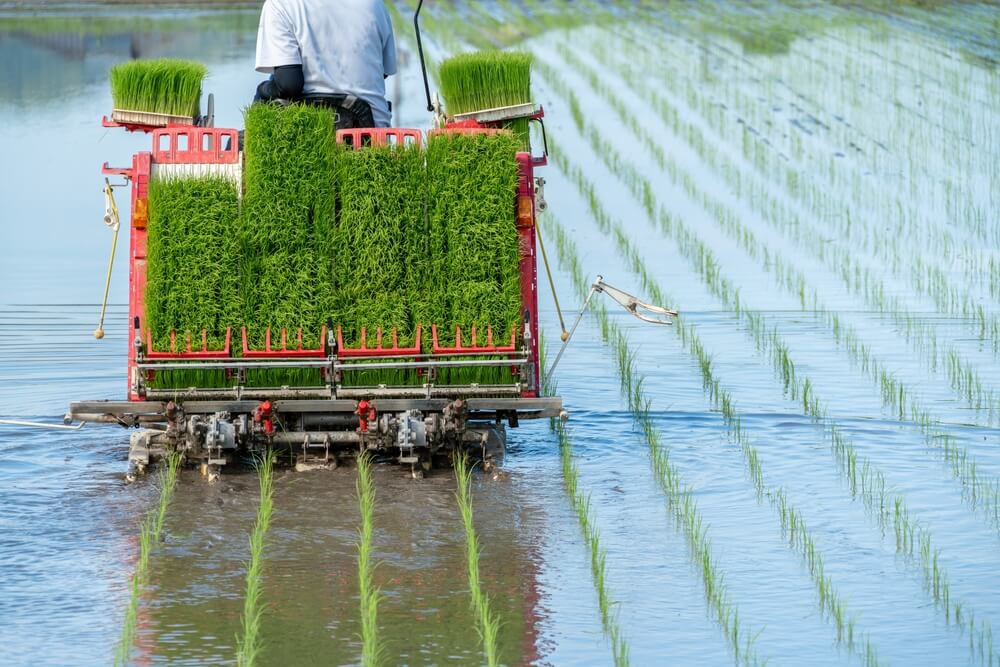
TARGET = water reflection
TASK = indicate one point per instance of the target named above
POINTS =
(54, 55)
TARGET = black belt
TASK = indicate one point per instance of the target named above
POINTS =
(352, 111)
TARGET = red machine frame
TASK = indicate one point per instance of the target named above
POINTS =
(202, 145)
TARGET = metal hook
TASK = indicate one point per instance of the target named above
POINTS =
(634, 305)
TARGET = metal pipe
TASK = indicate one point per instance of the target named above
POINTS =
(420, 52)
(315, 437)
(430, 364)
(572, 331)
(30, 424)
(290, 363)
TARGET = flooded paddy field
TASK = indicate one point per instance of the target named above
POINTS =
(805, 469)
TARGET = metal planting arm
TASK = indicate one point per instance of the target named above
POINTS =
(646, 312)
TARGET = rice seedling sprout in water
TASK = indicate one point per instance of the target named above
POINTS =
(249, 645)
(487, 624)
(369, 594)
(150, 531)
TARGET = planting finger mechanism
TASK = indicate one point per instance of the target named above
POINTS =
(646, 312)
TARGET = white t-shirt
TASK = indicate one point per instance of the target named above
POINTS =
(344, 46)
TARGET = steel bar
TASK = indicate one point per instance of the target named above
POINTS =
(301, 363)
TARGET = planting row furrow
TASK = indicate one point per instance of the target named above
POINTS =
(982, 492)
(913, 541)
(801, 540)
(368, 593)
(249, 644)
(149, 535)
(962, 376)
(487, 624)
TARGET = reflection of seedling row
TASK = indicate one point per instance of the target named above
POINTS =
(487, 624)
(248, 648)
(369, 594)
(979, 491)
(149, 534)
(867, 483)
(925, 276)
(961, 375)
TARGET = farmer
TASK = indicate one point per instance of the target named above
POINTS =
(335, 53)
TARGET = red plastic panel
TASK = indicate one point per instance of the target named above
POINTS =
(489, 348)
(204, 354)
(196, 145)
(379, 136)
(379, 350)
(297, 352)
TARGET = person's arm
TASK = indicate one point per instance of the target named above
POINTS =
(278, 54)
(285, 83)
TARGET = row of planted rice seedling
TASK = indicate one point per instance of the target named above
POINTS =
(150, 531)
(964, 380)
(867, 483)
(379, 237)
(981, 491)
(928, 273)
(487, 624)
(249, 644)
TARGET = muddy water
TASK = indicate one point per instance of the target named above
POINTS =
(69, 524)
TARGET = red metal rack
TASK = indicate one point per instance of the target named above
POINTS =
(283, 352)
(204, 354)
(459, 348)
(379, 350)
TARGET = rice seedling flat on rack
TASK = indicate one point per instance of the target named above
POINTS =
(473, 243)
(191, 271)
(166, 86)
(488, 80)
(287, 224)
(379, 238)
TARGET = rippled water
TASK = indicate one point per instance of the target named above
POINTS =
(68, 532)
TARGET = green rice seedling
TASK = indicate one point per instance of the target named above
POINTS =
(870, 481)
(286, 231)
(474, 271)
(379, 240)
(488, 80)
(487, 624)
(371, 649)
(150, 531)
(192, 283)
(165, 86)
(895, 395)
(248, 643)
